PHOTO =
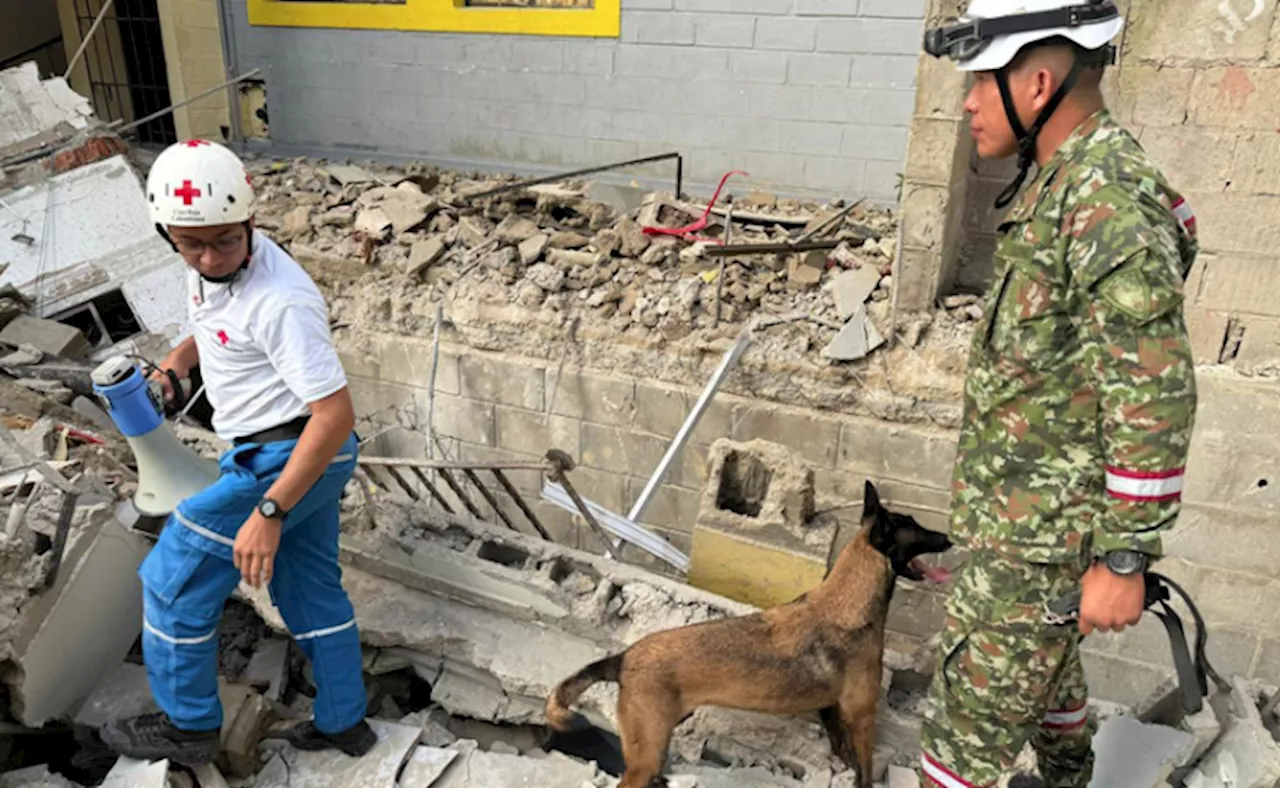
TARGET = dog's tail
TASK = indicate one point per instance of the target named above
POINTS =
(559, 716)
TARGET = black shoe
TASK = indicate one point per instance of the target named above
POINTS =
(354, 741)
(153, 737)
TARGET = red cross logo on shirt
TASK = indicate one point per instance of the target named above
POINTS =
(223, 338)
(195, 143)
(186, 193)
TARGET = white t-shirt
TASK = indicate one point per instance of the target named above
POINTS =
(264, 343)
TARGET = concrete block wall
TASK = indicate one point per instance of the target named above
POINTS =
(808, 96)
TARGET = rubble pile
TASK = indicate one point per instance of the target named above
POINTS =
(581, 251)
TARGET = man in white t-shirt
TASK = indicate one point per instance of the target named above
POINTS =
(260, 334)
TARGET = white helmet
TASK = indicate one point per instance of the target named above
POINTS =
(992, 32)
(198, 183)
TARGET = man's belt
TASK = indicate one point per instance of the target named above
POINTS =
(1192, 675)
(284, 432)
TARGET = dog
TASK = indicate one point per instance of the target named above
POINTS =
(820, 652)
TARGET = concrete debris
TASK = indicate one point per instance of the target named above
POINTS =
(25, 355)
(269, 665)
(592, 234)
(479, 769)
(425, 767)
(347, 174)
(858, 338)
(208, 776)
(34, 777)
(46, 336)
(900, 777)
(851, 289)
(38, 111)
(133, 773)
(122, 692)
(1137, 755)
(434, 723)
(377, 768)
(1246, 755)
(246, 718)
(274, 775)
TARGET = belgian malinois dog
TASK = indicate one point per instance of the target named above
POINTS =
(820, 652)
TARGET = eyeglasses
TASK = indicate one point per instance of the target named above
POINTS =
(191, 247)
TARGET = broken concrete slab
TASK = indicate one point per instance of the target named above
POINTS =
(274, 775)
(208, 776)
(423, 253)
(852, 288)
(531, 248)
(438, 574)
(515, 229)
(122, 692)
(858, 338)
(246, 718)
(1204, 727)
(373, 222)
(434, 723)
(134, 773)
(38, 111)
(478, 769)
(25, 355)
(425, 767)
(46, 336)
(1245, 755)
(347, 174)
(377, 768)
(83, 626)
(35, 777)
(1137, 755)
(709, 777)
(269, 665)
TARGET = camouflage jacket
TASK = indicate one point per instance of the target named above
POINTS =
(1080, 393)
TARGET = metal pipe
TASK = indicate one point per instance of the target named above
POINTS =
(130, 126)
(677, 444)
(771, 248)
(587, 171)
(84, 42)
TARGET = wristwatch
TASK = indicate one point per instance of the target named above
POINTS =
(1126, 562)
(271, 510)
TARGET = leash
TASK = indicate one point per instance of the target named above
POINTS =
(1193, 675)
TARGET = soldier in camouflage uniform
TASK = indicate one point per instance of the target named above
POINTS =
(1079, 398)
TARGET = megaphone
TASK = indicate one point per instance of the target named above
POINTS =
(168, 470)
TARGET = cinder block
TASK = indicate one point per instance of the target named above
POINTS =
(709, 6)
(589, 397)
(657, 27)
(671, 508)
(1230, 651)
(1237, 222)
(1256, 167)
(889, 107)
(753, 134)
(913, 9)
(606, 488)
(736, 30)
(873, 143)
(814, 437)
(457, 417)
(1194, 159)
(408, 361)
(1241, 283)
(528, 482)
(895, 451)
(763, 7)
(841, 178)
(870, 36)
(764, 67)
(896, 72)
(917, 278)
(1261, 344)
(818, 139)
(1203, 32)
(536, 53)
(1235, 97)
(916, 612)
(791, 35)
(1207, 329)
(819, 70)
(584, 57)
(826, 8)
(1120, 680)
(1237, 599)
(622, 450)
(47, 336)
(380, 401)
(837, 105)
(1153, 96)
(840, 488)
(662, 410)
(671, 62)
(535, 433)
(509, 382)
(784, 103)
(940, 89)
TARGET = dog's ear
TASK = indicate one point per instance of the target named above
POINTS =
(870, 503)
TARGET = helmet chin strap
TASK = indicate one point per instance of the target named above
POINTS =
(1027, 138)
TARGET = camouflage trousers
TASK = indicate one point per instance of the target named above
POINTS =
(1005, 678)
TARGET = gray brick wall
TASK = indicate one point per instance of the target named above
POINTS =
(809, 96)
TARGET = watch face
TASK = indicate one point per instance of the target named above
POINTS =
(1124, 562)
(268, 508)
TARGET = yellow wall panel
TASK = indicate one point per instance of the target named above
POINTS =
(446, 16)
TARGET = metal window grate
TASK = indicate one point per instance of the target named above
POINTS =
(128, 77)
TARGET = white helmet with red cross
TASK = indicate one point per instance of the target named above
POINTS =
(198, 183)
